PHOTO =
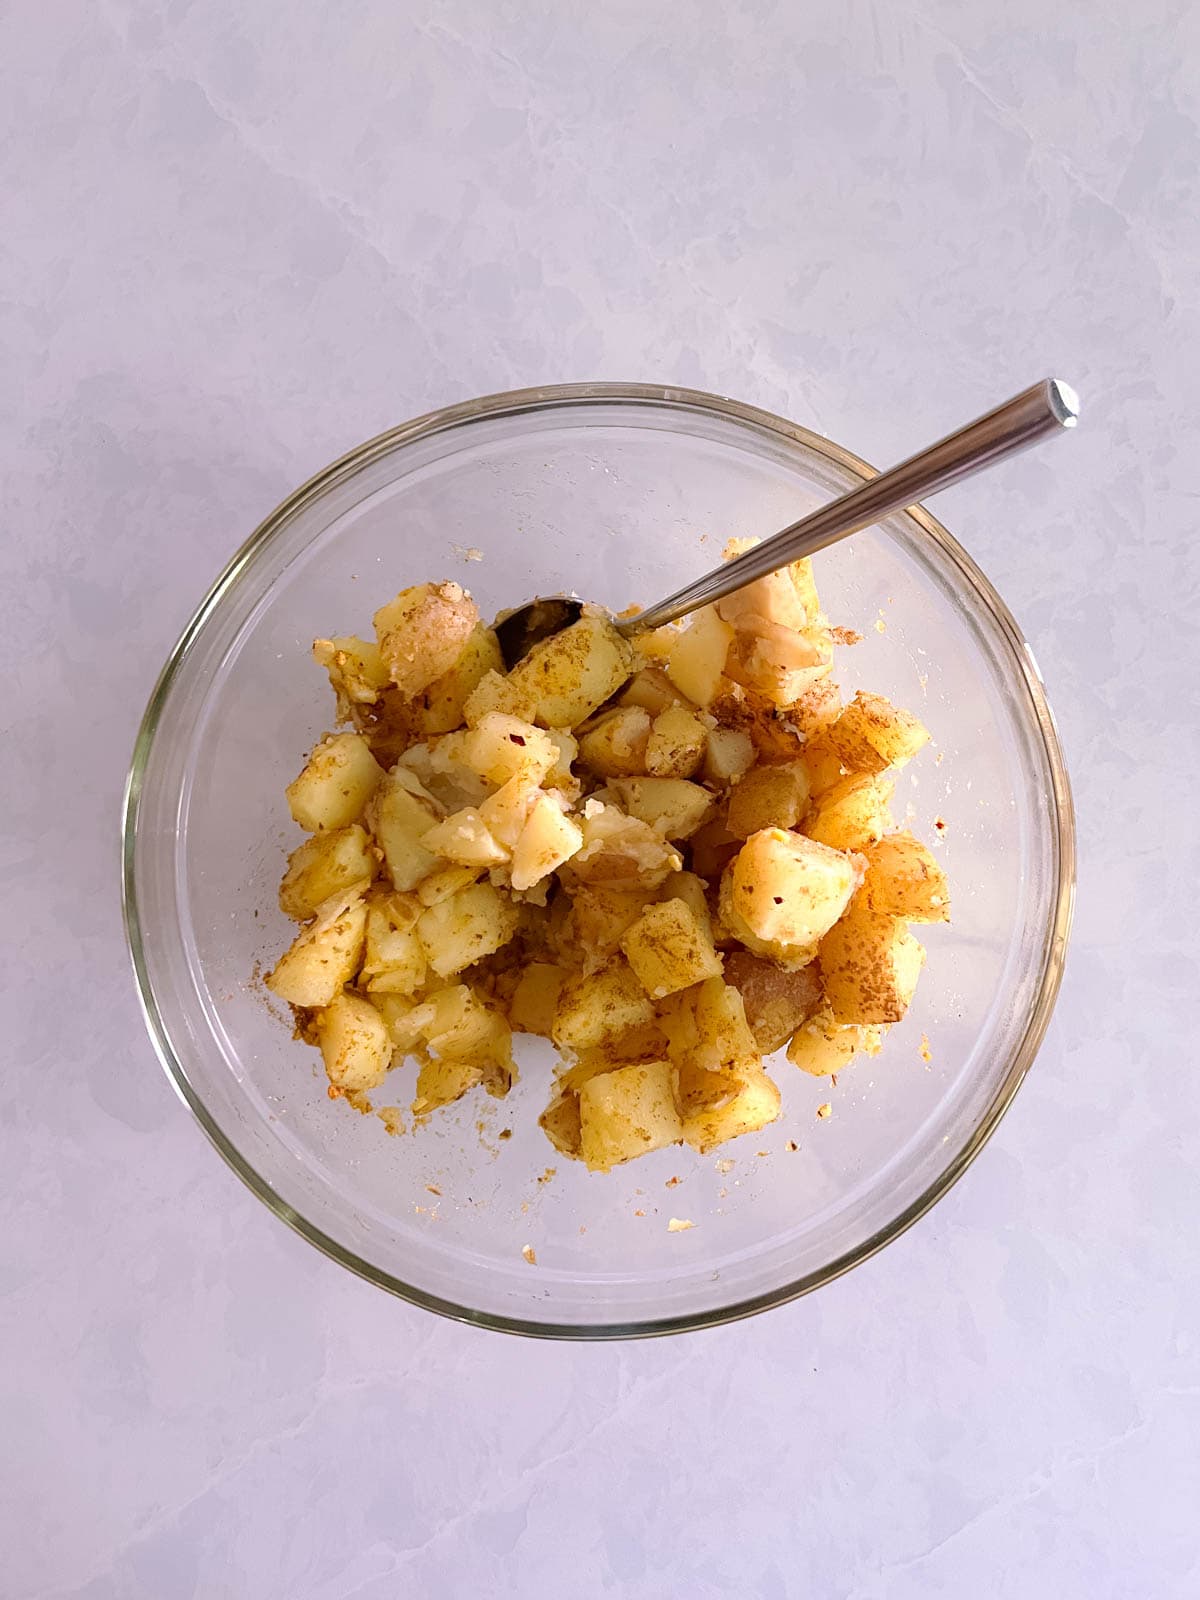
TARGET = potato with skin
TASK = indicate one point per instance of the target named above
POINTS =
(872, 734)
(354, 1043)
(673, 807)
(561, 1123)
(823, 765)
(905, 880)
(440, 706)
(616, 745)
(594, 1007)
(620, 851)
(821, 1046)
(776, 1002)
(338, 779)
(357, 672)
(669, 948)
(768, 797)
(870, 964)
(572, 674)
(677, 742)
(628, 1113)
(325, 865)
(781, 663)
(713, 847)
(324, 956)
(442, 1080)
(501, 747)
(460, 931)
(755, 1103)
(853, 814)
(423, 632)
(495, 692)
(600, 917)
(535, 999)
(791, 890)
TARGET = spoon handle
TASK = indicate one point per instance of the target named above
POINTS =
(1047, 408)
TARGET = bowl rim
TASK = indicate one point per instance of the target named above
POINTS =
(550, 398)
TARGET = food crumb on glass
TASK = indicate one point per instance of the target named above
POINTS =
(671, 1182)
(926, 1052)
(825, 1111)
(880, 625)
(392, 1118)
(679, 1225)
(530, 1254)
(548, 1174)
(791, 1145)
(432, 1188)
(726, 1164)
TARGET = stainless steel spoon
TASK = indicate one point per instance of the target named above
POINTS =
(1046, 409)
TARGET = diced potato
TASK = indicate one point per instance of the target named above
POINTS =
(621, 851)
(775, 598)
(463, 1028)
(561, 1124)
(781, 663)
(357, 672)
(853, 814)
(821, 1046)
(696, 663)
(731, 930)
(443, 776)
(394, 961)
(601, 1005)
(652, 690)
(600, 917)
(725, 1041)
(354, 1042)
(674, 807)
(730, 753)
(646, 1042)
(325, 955)
(442, 1080)
(755, 1103)
(817, 709)
(904, 880)
(444, 881)
(713, 847)
(770, 727)
(339, 778)
(806, 586)
(616, 744)
(791, 890)
(326, 865)
(872, 734)
(693, 891)
(441, 704)
(547, 840)
(506, 812)
(870, 964)
(678, 740)
(570, 675)
(465, 839)
(776, 1002)
(566, 752)
(400, 820)
(535, 999)
(423, 632)
(404, 1018)
(627, 1113)
(669, 948)
(823, 765)
(768, 797)
(472, 924)
(501, 747)
(495, 692)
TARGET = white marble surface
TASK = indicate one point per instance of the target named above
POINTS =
(237, 239)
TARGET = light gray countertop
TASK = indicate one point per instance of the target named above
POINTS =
(236, 240)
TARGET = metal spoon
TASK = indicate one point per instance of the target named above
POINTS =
(1047, 408)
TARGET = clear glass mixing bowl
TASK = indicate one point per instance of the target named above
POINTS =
(618, 492)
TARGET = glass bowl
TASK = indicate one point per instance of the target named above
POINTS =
(619, 492)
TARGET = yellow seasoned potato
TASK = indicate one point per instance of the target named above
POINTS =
(713, 847)
(627, 1113)
(357, 672)
(325, 955)
(505, 813)
(501, 747)
(788, 889)
(616, 743)
(693, 891)
(394, 961)
(548, 840)
(823, 765)
(776, 598)
(445, 881)
(355, 1044)
(821, 1046)
(400, 819)
(464, 838)
(457, 932)
(570, 675)
(441, 705)
(463, 1028)
(535, 999)
(776, 1002)
(696, 658)
(323, 866)
(442, 1080)
(423, 632)
(495, 692)
(404, 1018)
(621, 851)
(817, 709)
(652, 691)
(754, 1104)
(905, 880)
(768, 797)
(674, 807)
(781, 663)
(339, 778)
(872, 734)
(560, 1122)
(670, 948)
(853, 814)
(594, 1007)
(600, 916)
(677, 742)
(730, 753)
(870, 964)
(725, 1042)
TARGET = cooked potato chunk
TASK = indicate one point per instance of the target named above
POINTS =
(693, 891)
(600, 916)
(753, 1105)
(324, 956)
(394, 961)
(501, 747)
(853, 814)
(339, 778)
(471, 924)
(561, 1124)
(870, 964)
(823, 765)
(621, 851)
(780, 663)
(777, 1002)
(400, 820)
(791, 890)
(441, 704)
(725, 1041)
(821, 1046)
(677, 743)
(730, 753)
(463, 1028)
(323, 866)
(768, 797)
(673, 807)
(442, 1080)
(713, 847)
(495, 692)
(535, 999)
(547, 840)
(404, 1018)
(464, 838)
(905, 880)
(354, 1043)
(776, 598)
(601, 1005)
(696, 659)
(506, 812)
(652, 690)
(423, 632)
(627, 1113)
(669, 948)
(872, 734)
(616, 744)
(357, 672)
(570, 675)
(445, 881)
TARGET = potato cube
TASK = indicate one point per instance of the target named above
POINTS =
(628, 1113)
(669, 948)
(472, 924)
(400, 820)
(673, 807)
(776, 1002)
(463, 1028)
(678, 740)
(444, 881)
(495, 692)
(501, 747)
(652, 690)
(560, 1122)
(547, 840)
(853, 814)
(616, 744)
(464, 838)
(696, 662)
(821, 1046)
(339, 778)
(505, 813)
(326, 865)
(823, 765)
(621, 851)
(904, 880)
(441, 704)
(730, 753)
(730, 929)
(872, 734)
(423, 632)
(325, 955)
(600, 917)
(725, 1042)
(788, 889)
(693, 891)
(768, 797)
(535, 999)
(442, 1080)
(775, 598)
(594, 1007)
(870, 964)
(781, 663)
(404, 1018)
(357, 672)
(754, 1104)
(394, 961)
(570, 675)
(713, 847)
(354, 1043)
(817, 709)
